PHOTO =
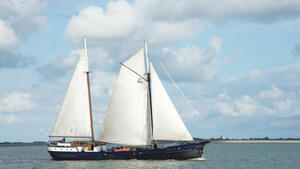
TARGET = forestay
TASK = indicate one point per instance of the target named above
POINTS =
(126, 118)
(167, 124)
(74, 116)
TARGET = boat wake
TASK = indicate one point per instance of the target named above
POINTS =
(198, 159)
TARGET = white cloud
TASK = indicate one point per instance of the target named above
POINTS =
(8, 37)
(23, 16)
(224, 96)
(238, 106)
(254, 76)
(192, 63)
(168, 21)
(248, 96)
(18, 18)
(98, 58)
(166, 32)
(118, 21)
(246, 106)
(11, 119)
(285, 74)
(284, 105)
(8, 119)
(221, 11)
(154, 18)
(273, 93)
(60, 65)
(16, 102)
(103, 83)
(101, 59)
(226, 109)
(123, 20)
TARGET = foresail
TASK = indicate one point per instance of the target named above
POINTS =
(74, 116)
(167, 124)
(126, 120)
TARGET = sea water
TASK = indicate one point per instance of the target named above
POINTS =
(216, 155)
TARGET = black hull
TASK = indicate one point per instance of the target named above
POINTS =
(180, 152)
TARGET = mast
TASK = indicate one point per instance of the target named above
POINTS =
(89, 91)
(149, 86)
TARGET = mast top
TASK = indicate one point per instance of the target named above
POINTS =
(85, 53)
(147, 57)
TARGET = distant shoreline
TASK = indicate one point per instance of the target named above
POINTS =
(6, 144)
(259, 141)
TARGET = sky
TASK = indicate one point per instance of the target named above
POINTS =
(237, 62)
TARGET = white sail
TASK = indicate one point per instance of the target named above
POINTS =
(74, 116)
(126, 118)
(167, 124)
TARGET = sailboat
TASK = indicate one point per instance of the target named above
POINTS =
(141, 121)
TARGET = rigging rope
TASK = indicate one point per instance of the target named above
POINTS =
(185, 98)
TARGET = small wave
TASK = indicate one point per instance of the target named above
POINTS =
(198, 159)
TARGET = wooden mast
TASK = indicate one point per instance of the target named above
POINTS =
(89, 91)
(149, 87)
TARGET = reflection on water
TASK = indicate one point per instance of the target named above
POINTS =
(217, 155)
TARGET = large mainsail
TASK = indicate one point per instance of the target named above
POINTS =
(167, 124)
(74, 116)
(126, 120)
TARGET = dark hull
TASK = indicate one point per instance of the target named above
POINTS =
(181, 152)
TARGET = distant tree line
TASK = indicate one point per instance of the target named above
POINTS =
(253, 138)
(23, 143)
(263, 138)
